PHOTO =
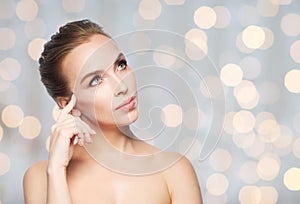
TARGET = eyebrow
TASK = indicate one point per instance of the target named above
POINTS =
(97, 71)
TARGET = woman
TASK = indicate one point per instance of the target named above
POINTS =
(85, 73)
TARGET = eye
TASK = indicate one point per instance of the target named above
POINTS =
(95, 81)
(122, 65)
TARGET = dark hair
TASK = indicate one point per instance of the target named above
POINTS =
(67, 38)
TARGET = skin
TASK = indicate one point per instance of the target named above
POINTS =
(72, 173)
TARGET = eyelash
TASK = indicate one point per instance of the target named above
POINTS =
(122, 63)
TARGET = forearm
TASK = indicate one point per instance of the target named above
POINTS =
(57, 187)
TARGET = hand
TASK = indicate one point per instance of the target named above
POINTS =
(64, 133)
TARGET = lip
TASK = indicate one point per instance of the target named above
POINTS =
(126, 102)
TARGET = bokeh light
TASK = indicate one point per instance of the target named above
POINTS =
(251, 67)
(174, 2)
(267, 8)
(220, 160)
(295, 51)
(256, 149)
(246, 94)
(250, 195)
(292, 82)
(296, 148)
(290, 24)
(10, 69)
(248, 172)
(73, 6)
(35, 48)
(268, 131)
(12, 115)
(223, 17)
(269, 39)
(240, 44)
(269, 92)
(268, 167)
(164, 57)
(291, 179)
(217, 184)
(243, 121)
(150, 9)
(269, 195)
(281, 2)
(285, 138)
(253, 37)
(8, 38)
(27, 10)
(228, 123)
(243, 140)
(172, 115)
(196, 44)
(205, 17)
(5, 164)
(30, 127)
(231, 74)
(194, 119)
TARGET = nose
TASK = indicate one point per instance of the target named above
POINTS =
(121, 87)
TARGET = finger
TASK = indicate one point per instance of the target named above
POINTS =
(67, 109)
(76, 113)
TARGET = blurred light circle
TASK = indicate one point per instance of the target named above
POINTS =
(269, 92)
(291, 179)
(6, 10)
(55, 112)
(190, 147)
(196, 36)
(253, 36)
(295, 51)
(243, 140)
(251, 67)
(172, 115)
(8, 38)
(269, 39)
(35, 28)
(1, 133)
(262, 116)
(196, 49)
(220, 160)
(5, 164)
(223, 17)
(290, 24)
(27, 10)
(35, 48)
(194, 119)
(268, 168)
(205, 17)
(228, 123)
(209, 198)
(248, 15)
(268, 131)
(248, 172)
(174, 2)
(292, 82)
(243, 121)
(269, 195)
(250, 195)
(211, 87)
(30, 127)
(245, 92)
(10, 69)
(12, 115)
(296, 148)
(256, 149)
(241, 46)
(231, 74)
(163, 56)
(73, 6)
(267, 8)
(149, 9)
(217, 184)
(285, 138)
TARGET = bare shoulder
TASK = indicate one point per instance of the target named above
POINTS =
(182, 181)
(35, 183)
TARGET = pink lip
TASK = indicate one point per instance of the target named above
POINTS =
(128, 101)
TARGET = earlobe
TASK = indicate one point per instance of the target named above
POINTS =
(62, 101)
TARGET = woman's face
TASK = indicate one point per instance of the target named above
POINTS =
(98, 74)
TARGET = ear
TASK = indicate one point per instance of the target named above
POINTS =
(62, 101)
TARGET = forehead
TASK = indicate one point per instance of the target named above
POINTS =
(97, 53)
